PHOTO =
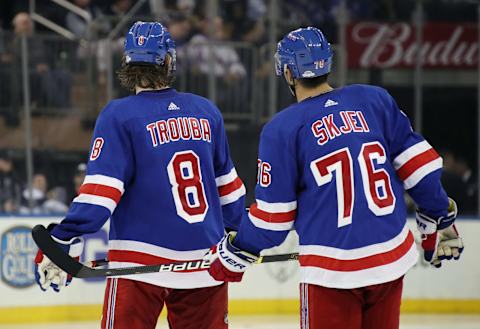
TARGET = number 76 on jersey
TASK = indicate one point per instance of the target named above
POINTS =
(376, 181)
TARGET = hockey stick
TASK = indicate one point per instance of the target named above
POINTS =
(50, 248)
(262, 259)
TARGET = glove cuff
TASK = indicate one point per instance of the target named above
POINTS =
(245, 255)
(73, 247)
(425, 224)
(234, 259)
(428, 225)
(448, 220)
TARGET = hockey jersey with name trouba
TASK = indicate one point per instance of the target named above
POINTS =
(160, 169)
(335, 168)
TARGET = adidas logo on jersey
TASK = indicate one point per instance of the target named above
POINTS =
(173, 107)
(329, 103)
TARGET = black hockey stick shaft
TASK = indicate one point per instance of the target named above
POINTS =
(261, 259)
(50, 248)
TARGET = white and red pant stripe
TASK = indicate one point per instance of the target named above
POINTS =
(108, 319)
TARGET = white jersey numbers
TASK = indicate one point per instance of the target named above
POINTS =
(376, 181)
(264, 178)
(339, 162)
(96, 148)
(187, 187)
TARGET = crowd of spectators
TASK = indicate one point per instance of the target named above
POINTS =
(55, 62)
(244, 16)
(40, 199)
(53, 65)
(16, 198)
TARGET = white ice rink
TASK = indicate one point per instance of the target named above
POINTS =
(291, 322)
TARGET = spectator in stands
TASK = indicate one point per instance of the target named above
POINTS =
(113, 14)
(323, 13)
(78, 179)
(220, 60)
(38, 201)
(10, 186)
(244, 18)
(116, 11)
(183, 7)
(118, 8)
(5, 93)
(309, 13)
(180, 29)
(23, 27)
(56, 201)
(10, 61)
(94, 30)
(465, 172)
(79, 26)
(226, 62)
(456, 177)
(49, 87)
(33, 198)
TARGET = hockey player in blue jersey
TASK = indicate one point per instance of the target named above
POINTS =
(334, 167)
(160, 169)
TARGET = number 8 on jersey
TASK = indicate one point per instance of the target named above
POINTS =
(187, 187)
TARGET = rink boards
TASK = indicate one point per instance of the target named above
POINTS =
(266, 289)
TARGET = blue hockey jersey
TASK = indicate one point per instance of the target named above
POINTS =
(160, 170)
(335, 168)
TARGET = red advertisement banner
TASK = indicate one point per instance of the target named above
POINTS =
(380, 45)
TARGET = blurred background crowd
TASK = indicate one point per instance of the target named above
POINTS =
(58, 60)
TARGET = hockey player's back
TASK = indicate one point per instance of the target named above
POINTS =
(350, 204)
(167, 148)
(160, 170)
(334, 166)
(161, 125)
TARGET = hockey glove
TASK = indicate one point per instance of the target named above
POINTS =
(227, 262)
(440, 238)
(47, 274)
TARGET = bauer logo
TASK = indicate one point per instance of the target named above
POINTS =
(18, 252)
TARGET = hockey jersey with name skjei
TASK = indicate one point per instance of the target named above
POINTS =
(160, 169)
(335, 168)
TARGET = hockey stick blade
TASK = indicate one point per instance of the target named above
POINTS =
(44, 241)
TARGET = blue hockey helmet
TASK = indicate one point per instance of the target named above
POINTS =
(306, 52)
(148, 43)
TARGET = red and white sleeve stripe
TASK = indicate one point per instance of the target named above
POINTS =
(101, 190)
(277, 216)
(230, 187)
(416, 162)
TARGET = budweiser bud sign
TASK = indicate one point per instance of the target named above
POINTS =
(444, 45)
